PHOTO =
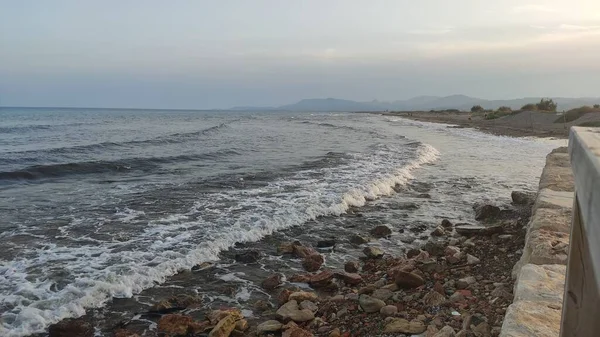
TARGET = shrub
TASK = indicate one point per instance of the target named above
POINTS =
(529, 107)
(596, 106)
(477, 108)
(504, 109)
(546, 104)
(576, 113)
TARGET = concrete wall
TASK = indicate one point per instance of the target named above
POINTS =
(540, 273)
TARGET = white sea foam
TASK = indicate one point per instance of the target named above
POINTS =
(181, 241)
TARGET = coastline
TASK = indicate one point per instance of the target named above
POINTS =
(526, 126)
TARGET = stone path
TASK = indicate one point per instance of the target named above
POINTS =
(540, 273)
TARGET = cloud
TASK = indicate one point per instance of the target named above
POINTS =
(431, 31)
(578, 27)
(533, 8)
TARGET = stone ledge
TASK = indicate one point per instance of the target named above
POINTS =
(557, 178)
(548, 198)
(545, 283)
(528, 318)
(552, 219)
(543, 247)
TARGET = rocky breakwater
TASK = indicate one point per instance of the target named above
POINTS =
(540, 273)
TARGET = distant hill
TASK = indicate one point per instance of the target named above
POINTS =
(424, 103)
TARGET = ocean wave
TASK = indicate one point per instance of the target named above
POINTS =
(118, 166)
(35, 304)
(174, 138)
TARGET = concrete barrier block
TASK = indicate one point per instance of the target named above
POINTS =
(535, 319)
(542, 283)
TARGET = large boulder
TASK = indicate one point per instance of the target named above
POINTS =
(313, 262)
(224, 327)
(486, 212)
(381, 231)
(301, 251)
(249, 256)
(71, 327)
(522, 198)
(358, 239)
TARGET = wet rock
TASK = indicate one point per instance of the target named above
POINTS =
(175, 303)
(224, 327)
(407, 280)
(434, 248)
(241, 325)
(303, 296)
(434, 299)
(382, 294)
(381, 231)
(373, 252)
(469, 230)
(446, 331)
(286, 248)
(438, 231)
(249, 256)
(313, 262)
(125, 333)
(216, 315)
(269, 326)
(412, 253)
(352, 266)
(358, 240)
(349, 278)
(262, 306)
(272, 282)
(370, 304)
(388, 310)
(401, 325)
(309, 305)
(300, 278)
(472, 259)
(71, 327)
(321, 279)
(485, 212)
(522, 198)
(303, 251)
(283, 296)
(446, 223)
(326, 243)
(291, 311)
(463, 283)
(175, 325)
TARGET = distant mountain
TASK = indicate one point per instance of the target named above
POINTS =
(420, 103)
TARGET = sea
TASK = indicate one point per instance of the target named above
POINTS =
(104, 212)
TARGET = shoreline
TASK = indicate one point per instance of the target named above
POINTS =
(499, 126)
(459, 281)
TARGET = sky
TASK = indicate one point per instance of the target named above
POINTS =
(219, 54)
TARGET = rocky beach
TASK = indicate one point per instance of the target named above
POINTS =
(457, 284)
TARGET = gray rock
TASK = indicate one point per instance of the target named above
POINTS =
(388, 310)
(463, 283)
(370, 304)
(291, 311)
(381, 231)
(382, 294)
(358, 240)
(373, 252)
(269, 326)
(308, 305)
(472, 259)
(522, 198)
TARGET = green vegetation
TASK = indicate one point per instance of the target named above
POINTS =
(546, 104)
(576, 113)
(529, 107)
(504, 109)
(596, 106)
(477, 108)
